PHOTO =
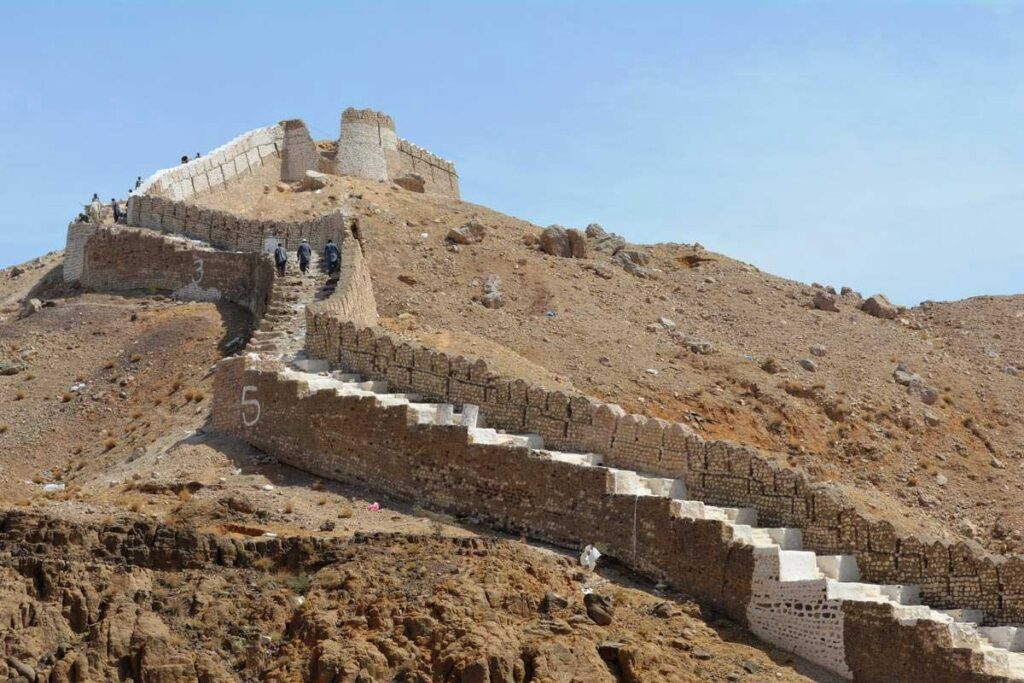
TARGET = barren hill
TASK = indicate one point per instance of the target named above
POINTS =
(717, 344)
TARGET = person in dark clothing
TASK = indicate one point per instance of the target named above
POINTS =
(117, 210)
(138, 182)
(305, 253)
(280, 258)
(333, 257)
(184, 158)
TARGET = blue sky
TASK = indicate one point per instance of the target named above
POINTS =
(875, 145)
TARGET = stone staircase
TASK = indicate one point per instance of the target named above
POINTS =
(282, 331)
(797, 596)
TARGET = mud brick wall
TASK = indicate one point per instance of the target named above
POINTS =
(133, 260)
(355, 439)
(239, 157)
(439, 173)
(951, 576)
(225, 230)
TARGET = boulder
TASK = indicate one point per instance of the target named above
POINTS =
(31, 306)
(493, 297)
(825, 301)
(555, 241)
(880, 307)
(601, 241)
(808, 365)
(577, 243)
(599, 608)
(819, 350)
(413, 182)
(314, 180)
(470, 233)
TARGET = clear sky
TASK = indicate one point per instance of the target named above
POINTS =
(876, 145)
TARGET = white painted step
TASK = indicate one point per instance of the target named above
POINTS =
(492, 437)
(1007, 637)
(579, 459)
(839, 567)
(798, 565)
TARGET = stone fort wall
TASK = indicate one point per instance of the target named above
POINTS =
(357, 439)
(956, 575)
(225, 230)
(124, 260)
(369, 148)
(239, 157)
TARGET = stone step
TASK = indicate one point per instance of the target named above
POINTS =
(581, 459)
(492, 437)
(798, 565)
(1007, 637)
(839, 567)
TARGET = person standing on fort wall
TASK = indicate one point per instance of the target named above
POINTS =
(280, 259)
(117, 209)
(305, 253)
(333, 257)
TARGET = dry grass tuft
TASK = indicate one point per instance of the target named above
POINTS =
(67, 396)
(109, 444)
(345, 512)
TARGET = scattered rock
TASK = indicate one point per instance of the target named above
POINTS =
(941, 479)
(665, 610)
(599, 608)
(327, 526)
(926, 500)
(413, 182)
(601, 270)
(699, 653)
(880, 307)
(808, 365)
(695, 344)
(470, 233)
(493, 297)
(997, 463)
(609, 650)
(931, 419)
(11, 368)
(634, 262)
(314, 180)
(929, 396)
(819, 350)
(667, 323)
(903, 375)
(553, 601)
(771, 366)
(31, 306)
(825, 301)
(1011, 370)
(407, 279)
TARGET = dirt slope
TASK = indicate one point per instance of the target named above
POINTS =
(955, 466)
(136, 545)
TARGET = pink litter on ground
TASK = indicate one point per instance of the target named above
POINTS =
(373, 507)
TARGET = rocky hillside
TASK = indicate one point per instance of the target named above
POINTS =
(912, 411)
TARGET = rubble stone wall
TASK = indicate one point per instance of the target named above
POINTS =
(119, 260)
(239, 157)
(225, 230)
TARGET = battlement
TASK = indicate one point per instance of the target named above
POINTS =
(379, 118)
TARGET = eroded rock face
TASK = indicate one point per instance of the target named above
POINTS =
(880, 307)
(825, 301)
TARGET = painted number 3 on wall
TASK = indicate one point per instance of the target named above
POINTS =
(250, 407)
(198, 277)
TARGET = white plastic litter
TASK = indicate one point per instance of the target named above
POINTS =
(589, 557)
(53, 488)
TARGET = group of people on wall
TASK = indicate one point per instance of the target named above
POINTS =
(332, 257)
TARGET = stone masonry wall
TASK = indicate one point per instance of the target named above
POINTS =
(226, 231)
(74, 249)
(439, 173)
(238, 157)
(353, 299)
(951, 576)
(298, 153)
(356, 439)
(117, 259)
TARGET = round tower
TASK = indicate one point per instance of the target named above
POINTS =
(366, 137)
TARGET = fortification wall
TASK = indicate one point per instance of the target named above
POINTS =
(956, 575)
(226, 231)
(122, 260)
(74, 249)
(384, 447)
(365, 134)
(369, 148)
(440, 174)
(298, 153)
(240, 156)
(353, 298)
